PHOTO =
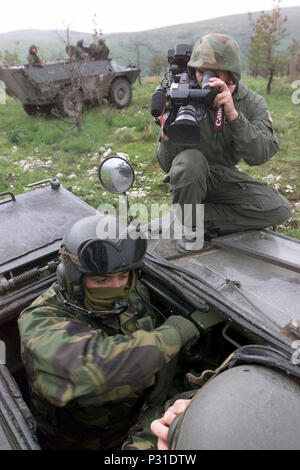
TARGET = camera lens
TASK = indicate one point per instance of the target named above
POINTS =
(185, 129)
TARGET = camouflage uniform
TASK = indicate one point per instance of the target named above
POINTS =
(70, 50)
(80, 51)
(233, 201)
(90, 378)
(100, 51)
(33, 59)
(140, 436)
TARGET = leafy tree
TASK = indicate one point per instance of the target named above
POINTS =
(12, 58)
(294, 64)
(158, 64)
(264, 56)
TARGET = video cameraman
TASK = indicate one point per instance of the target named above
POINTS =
(237, 125)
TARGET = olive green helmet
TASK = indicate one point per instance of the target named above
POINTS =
(217, 52)
(248, 407)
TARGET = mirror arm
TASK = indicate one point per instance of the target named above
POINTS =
(130, 217)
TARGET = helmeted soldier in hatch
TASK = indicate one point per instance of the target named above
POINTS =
(92, 345)
(233, 201)
(33, 58)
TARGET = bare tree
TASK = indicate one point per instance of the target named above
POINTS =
(138, 61)
(70, 100)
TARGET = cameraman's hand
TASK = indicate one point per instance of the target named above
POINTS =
(161, 120)
(164, 136)
(224, 98)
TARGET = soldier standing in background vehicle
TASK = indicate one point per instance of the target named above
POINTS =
(33, 58)
(70, 50)
(80, 52)
(238, 125)
(94, 349)
(99, 51)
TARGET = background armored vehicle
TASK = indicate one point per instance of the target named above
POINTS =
(247, 286)
(67, 86)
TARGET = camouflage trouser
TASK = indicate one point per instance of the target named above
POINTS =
(233, 201)
(140, 436)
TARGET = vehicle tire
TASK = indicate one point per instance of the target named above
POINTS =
(120, 93)
(70, 103)
(30, 109)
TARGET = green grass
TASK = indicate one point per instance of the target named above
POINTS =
(39, 147)
(283, 170)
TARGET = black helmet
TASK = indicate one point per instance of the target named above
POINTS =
(94, 245)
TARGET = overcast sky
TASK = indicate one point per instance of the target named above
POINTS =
(120, 15)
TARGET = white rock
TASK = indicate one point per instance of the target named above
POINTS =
(107, 152)
(124, 155)
(121, 129)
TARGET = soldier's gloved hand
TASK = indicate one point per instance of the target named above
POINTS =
(186, 328)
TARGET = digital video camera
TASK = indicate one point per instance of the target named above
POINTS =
(181, 94)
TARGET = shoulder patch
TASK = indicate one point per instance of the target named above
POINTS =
(269, 116)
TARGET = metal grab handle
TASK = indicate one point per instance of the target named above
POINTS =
(55, 183)
(13, 197)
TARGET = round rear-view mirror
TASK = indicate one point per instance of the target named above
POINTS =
(116, 174)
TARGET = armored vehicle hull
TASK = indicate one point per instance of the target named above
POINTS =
(67, 86)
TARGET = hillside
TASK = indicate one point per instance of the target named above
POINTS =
(34, 148)
(123, 46)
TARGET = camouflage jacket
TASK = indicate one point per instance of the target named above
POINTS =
(34, 60)
(101, 52)
(89, 378)
(250, 136)
(79, 53)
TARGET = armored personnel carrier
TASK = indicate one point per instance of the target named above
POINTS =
(247, 286)
(68, 85)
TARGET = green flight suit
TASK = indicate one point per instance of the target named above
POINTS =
(233, 201)
(90, 378)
